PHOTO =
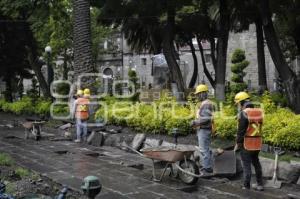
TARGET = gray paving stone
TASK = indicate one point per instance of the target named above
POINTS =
(225, 164)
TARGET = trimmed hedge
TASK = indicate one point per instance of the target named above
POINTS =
(281, 126)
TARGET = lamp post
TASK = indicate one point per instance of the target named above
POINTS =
(50, 72)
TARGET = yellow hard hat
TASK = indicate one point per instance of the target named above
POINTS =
(79, 92)
(87, 92)
(201, 88)
(240, 97)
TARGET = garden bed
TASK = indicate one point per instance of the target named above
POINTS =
(25, 184)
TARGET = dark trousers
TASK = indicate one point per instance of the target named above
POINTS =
(248, 158)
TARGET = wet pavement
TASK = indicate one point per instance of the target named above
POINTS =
(122, 174)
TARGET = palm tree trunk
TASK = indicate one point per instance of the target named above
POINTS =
(168, 48)
(262, 76)
(206, 72)
(195, 71)
(222, 51)
(290, 83)
(82, 39)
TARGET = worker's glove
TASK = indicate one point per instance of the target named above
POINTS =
(237, 147)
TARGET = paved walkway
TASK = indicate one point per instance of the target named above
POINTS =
(68, 163)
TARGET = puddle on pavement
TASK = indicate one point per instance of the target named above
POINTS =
(93, 154)
(189, 189)
(137, 166)
(61, 152)
(11, 137)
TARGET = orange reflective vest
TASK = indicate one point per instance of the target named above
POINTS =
(253, 136)
(82, 108)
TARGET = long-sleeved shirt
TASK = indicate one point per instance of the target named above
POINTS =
(205, 115)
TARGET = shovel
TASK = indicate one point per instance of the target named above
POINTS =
(274, 183)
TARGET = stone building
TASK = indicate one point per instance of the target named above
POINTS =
(119, 59)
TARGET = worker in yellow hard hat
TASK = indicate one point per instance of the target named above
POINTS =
(81, 112)
(249, 139)
(79, 93)
(86, 93)
(204, 125)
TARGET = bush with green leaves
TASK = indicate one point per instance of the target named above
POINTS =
(282, 128)
(239, 63)
(27, 105)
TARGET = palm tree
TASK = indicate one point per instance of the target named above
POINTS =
(82, 38)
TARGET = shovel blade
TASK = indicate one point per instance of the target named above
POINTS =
(275, 184)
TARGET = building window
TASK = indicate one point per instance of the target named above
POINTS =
(144, 61)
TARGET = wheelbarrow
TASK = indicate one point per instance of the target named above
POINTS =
(174, 158)
(33, 126)
(177, 159)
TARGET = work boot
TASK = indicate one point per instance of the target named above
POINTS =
(245, 188)
(206, 172)
(257, 187)
(77, 140)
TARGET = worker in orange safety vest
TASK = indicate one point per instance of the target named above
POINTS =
(249, 139)
(81, 112)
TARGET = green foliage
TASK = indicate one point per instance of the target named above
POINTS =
(239, 63)
(238, 56)
(61, 110)
(22, 172)
(63, 89)
(282, 128)
(26, 105)
(6, 160)
(23, 106)
(268, 105)
(42, 107)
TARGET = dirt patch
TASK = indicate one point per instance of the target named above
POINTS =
(22, 183)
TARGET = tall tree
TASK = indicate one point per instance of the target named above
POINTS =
(82, 39)
(262, 75)
(290, 82)
(168, 46)
(224, 25)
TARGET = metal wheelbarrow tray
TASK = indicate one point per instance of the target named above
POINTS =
(175, 158)
(167, 154)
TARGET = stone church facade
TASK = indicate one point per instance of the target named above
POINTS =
(117, 63)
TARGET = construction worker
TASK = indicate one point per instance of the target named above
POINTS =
(204, 126)
(249, 140)
(82, 114)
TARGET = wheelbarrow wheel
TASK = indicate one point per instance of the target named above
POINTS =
(36, 133)
(191, 167)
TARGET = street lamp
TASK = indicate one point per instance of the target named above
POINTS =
(50, 72)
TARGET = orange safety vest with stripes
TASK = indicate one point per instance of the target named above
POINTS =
(82, 108)
(253, 136)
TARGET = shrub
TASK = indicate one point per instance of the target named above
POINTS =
(282, 128)
(23, 106)
(239, 63)
(6, 160)
(43, 107)
(22, 172)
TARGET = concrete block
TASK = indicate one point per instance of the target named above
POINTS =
(138, 140)
(95, 138)
(152, 143)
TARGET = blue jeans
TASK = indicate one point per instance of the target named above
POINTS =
(204, 140)
(81, 128)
